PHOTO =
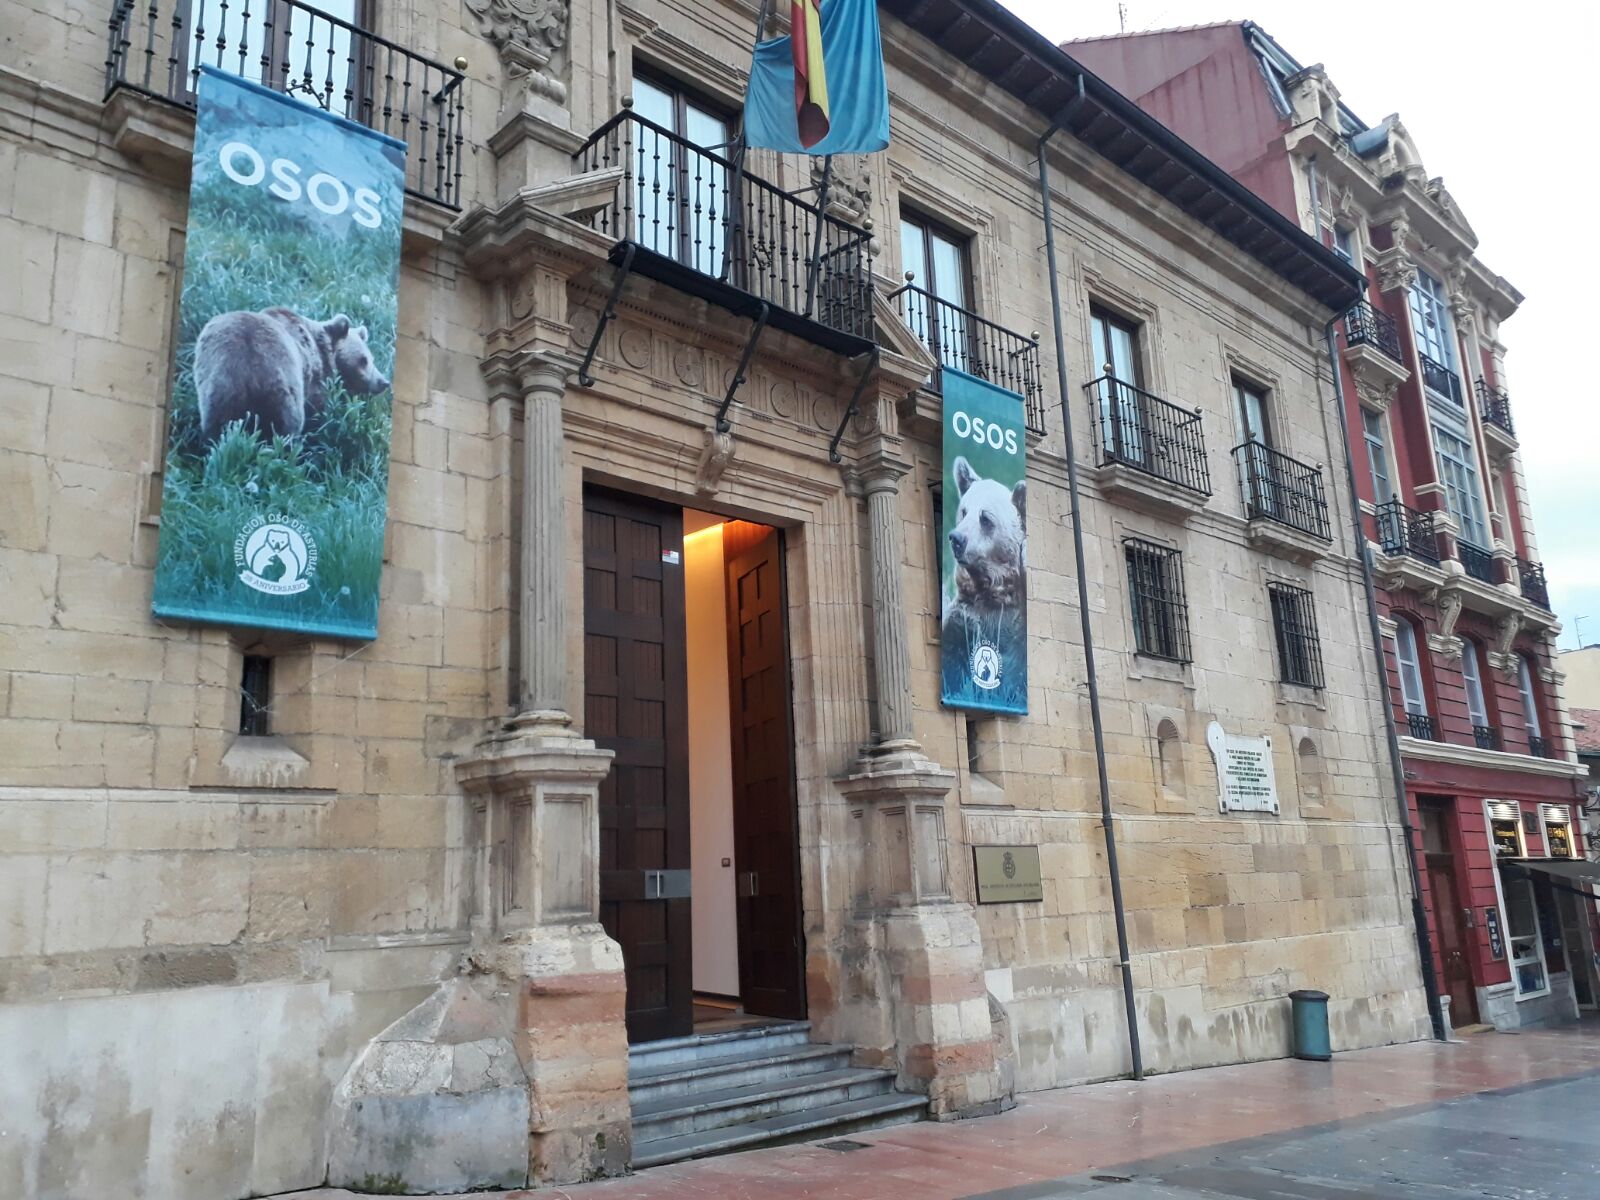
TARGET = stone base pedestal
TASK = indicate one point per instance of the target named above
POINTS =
(944, 1041)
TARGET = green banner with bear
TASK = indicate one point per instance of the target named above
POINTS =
(984, 548)
(275, 489)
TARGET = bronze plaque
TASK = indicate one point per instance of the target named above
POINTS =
(1007, 874)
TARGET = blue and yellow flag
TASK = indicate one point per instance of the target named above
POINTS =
(821, 90)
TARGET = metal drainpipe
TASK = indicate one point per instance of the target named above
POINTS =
(1083, 605)
(1419, 916)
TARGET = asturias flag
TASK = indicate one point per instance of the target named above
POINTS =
(820, 90)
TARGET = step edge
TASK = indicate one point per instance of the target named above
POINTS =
(687, 1040)
(732, 1097)
(750, 1135)
(723, 1062)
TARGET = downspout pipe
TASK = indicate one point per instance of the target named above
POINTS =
(1419, 916)
(1123, 957)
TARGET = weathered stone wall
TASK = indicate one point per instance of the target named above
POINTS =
(199, 936)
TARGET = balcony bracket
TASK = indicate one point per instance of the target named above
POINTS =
(850, 410)
(723, 425)
(624, 269)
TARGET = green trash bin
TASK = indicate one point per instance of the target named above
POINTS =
(1310, 1023)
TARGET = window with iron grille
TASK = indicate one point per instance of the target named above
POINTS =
(1160, 611)
(255, 696)
(1294, 621)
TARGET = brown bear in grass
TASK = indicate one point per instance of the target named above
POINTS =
(268, 368)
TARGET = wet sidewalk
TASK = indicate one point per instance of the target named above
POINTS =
(1037, 1149)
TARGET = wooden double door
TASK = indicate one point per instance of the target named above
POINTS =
(1450, 913)
(636, 705)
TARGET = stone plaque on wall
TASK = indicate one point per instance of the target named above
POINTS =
(1007, 874)
(1245, 780)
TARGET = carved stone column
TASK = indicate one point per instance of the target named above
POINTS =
(930, 947)
(515, 1071)
(880, 480)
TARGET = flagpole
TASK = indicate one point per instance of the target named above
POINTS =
(816, 236)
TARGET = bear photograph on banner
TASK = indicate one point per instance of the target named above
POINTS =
(275, 488)
(984, 548)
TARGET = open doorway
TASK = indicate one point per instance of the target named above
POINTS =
(687, 680)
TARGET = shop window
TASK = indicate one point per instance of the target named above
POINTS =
(1558, 839)
(1526, 939)
(1505, 829)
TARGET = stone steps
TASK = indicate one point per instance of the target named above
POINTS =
(714, 1093)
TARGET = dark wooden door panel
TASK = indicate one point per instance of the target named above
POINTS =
(635, 699)
(766, 836)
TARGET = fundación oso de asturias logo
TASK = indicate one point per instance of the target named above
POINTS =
(275, 554)
(985, 666)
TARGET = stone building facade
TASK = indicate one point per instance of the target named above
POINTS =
(1469, 635)
(406, 934)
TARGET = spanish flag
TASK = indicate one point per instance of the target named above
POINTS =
(821, 90)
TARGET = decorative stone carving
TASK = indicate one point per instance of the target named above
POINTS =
(715, 455)
(850, 190)
(1396, 269)
(1449, 601)
(528, 34)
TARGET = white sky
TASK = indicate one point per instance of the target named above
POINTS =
(1501, 103)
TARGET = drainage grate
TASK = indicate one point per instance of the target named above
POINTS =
(843, 1145)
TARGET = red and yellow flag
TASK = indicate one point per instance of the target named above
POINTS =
(810, 72)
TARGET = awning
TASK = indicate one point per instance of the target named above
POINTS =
(1572, 870)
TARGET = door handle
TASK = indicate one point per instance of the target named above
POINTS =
(749, 883)
(666, 885)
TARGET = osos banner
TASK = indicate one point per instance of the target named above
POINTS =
(276, 484)
(984, 550)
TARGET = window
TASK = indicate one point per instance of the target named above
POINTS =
(1558, 841)
(1458, 471)
(1160, 611)
(1294, 621)
(279, 45)
(1525, 937)
(1250, 407)
(1377, 455)
(1430, 318)
(1530, 706)
(1114, 341)
(938, 260)
(1408, 658)
(681, 205)
(1344, 244)
(255, 696)
(1472, 678)
(1505, 829)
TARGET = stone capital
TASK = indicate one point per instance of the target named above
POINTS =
(521, 373)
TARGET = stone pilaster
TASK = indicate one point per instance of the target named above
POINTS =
(939, 1008)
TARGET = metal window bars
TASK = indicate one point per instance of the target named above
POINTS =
(157, 47)
(1160, 608)
(1441, 380)
(1495, 406)
(698, 209)
(1294, 622)
(1539, 747)
(1535, 587)
(1140, 430)
(1486, 737)
(959, 338)
(1368, 326)
(1278, 488)
(1477, 562)
(1406, 530)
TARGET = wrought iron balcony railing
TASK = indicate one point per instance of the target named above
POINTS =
(1539, 747)
(1477, 562)
(1368, 326)
(1535, 588)
(1421, 725)
(1139, 430)
(1495, 406)
(1406, 530)
(959, 338)
(158, 46)
(1441, 380)
(1486, 737)
(1278, 488)
(706, 214)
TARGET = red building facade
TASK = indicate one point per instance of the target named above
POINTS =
(1489, 761)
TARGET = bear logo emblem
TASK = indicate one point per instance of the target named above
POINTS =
(275, 555)
(986, 666)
